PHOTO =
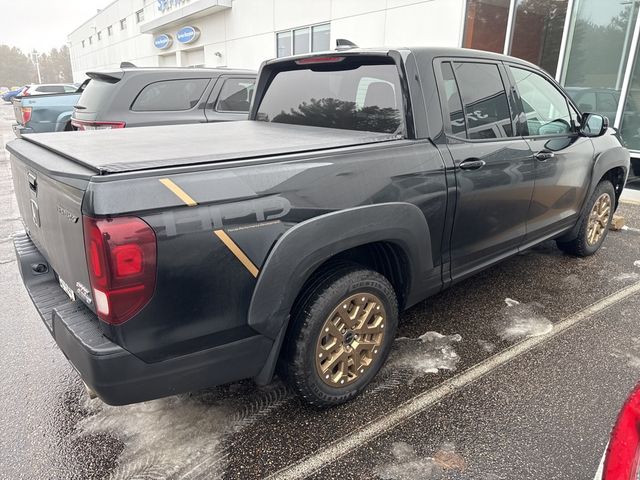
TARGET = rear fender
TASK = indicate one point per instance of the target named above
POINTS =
(306, 246)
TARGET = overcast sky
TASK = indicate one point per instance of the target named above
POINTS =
(43, 24)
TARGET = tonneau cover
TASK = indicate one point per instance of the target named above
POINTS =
(131, 149)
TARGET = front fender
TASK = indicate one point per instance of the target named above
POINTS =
(304, 247)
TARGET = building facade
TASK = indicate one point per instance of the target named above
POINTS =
(590, 46)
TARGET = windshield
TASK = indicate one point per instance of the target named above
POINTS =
(353, 97)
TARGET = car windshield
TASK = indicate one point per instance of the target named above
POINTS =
(341, 95)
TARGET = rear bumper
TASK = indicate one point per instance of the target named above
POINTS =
(20, 130)
(116, 375)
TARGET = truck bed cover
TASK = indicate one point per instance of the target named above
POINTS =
(127, 150)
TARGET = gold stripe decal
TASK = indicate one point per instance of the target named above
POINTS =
(178, 192)
(240, 255)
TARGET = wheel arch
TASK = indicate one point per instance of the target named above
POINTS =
(397, 231)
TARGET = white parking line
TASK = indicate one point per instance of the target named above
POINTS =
(343, 446)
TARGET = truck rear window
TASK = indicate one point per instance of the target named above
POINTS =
(344, 94)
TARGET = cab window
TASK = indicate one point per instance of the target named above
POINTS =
(545, 108)
(485, 101)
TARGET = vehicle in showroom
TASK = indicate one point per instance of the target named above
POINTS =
(168, 259)
(137, 97)
(49, 112)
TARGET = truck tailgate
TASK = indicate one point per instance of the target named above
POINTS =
(50, 204)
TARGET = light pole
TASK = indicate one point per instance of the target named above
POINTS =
(34, 59)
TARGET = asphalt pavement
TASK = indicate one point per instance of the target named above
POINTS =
(518, 372)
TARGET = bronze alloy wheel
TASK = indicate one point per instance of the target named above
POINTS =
(599, 219)
(350, 339)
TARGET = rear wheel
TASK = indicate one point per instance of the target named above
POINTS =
(594, 223)
(344, 325)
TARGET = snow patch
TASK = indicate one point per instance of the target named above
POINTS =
(636, 263)
(486, 346)
(623, 277)
(407, 465)
(522, 320)
(180, 435)
(429, 353)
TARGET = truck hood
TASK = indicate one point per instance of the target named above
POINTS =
(132, 149)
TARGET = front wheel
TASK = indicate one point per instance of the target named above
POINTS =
(343, 329)
(594, 223)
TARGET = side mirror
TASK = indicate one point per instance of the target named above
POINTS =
(593, 125)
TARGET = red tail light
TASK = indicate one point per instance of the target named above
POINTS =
(83, 125)
(623, 453)
(121, 253)
(26, 115)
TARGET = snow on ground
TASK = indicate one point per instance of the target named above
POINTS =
(636, 263)
(429, 353)
(522, 320)
(180, 436)
(623, 277)
(407, 465)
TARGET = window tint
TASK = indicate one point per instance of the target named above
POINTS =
(51, 89)
(545, 108)
(452, 97)
(170, 95)
(235, 95)
(351, 96)
(485, 101)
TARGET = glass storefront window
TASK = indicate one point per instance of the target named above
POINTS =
(597, 52)
(320, 38)
(486, 24)
(537, 32)
(283, 40)
(301, 41)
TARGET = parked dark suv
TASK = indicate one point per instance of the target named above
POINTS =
(138, 97)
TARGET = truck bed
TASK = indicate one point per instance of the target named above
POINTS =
(126, 150)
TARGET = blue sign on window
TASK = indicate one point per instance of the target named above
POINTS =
(187, 34)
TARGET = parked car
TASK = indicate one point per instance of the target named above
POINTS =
(601, 100)
(45, 88)
(45, 113)
(11, 94)
(137, 97)
(172, 258)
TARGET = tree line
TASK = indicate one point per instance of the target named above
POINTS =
(17, 68)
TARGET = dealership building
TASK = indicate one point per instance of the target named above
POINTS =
(589, 46)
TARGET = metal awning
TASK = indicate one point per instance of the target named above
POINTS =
(181, 15)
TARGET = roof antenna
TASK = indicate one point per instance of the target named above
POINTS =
(344, 44)
(127, 65)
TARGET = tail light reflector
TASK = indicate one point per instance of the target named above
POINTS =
(121, 255)
(83, 125)
(623, 453)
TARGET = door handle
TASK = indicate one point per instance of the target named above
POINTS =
(472, 164)
(543, 156)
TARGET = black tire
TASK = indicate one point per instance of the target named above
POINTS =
(313, 309)
(580, 245)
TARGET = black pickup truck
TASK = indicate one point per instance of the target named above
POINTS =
(172, 258)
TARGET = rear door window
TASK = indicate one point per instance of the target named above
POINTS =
(485, 100)
(235, 95)
(453, 101)
(170, 95)
(347, 94)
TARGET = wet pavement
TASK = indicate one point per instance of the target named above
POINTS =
(482, 405)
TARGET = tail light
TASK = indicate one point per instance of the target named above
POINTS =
(121, 255)
(83, 125)
(623, 453)
(26, 115)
